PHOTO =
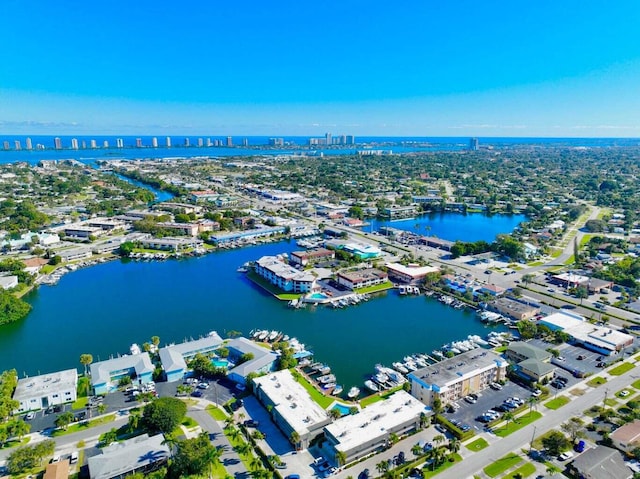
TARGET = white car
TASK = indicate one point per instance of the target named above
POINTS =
(565, 455)
(624, 393)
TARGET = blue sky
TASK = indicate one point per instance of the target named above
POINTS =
(425, 68)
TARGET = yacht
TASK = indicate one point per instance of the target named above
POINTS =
(327, 378)
(353, 393)
(324, 369)
(135, 349)
(337, 390)
(263, 335)
(273, 335)
(371, 386)
(400, 368)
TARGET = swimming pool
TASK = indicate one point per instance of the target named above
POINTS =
(318, 296)
(344, 409)
(220, 363)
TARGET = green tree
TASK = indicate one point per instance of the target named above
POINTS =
(454, 444)
(109, 437)
(86, 360)
(294, 438)
(574, 428)
(555, 442)
(28, 457)
(194, 457)
(126, 248)
(12, 308)
(335, 413)
(64, 419)
(341, 458)
(382, 467)
(134, 420)
(164, 414)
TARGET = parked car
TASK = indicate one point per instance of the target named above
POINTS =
(196, 394)
(565, 455)
(624, 393)
(280, 465)
(203, 386)
(74, 457)
(496, 386)
(581, 357)
(251, 423)
(579, 447)
(470, 400)
(536, 393)
(29, 416)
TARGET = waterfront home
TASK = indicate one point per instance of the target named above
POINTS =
(33, 265)
(262, 361)
(394, 212)
(600, 339)
(8, 282)
(291, 407)
(174, 357)
(361, 278)
(285, 277)
(492, 290)
(40, 392)
(303, 258)
(74, 253)
(139, 454)
(105, 375)
(410, 274)
(370, 430)
(247, 235)
(457, 377)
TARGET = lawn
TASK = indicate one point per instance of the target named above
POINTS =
(477, 445)
(556, 403)
(81, 403)
(216, 413)
(597, 381)
(189, 422)
(374, 398)
(621, 369)
(375, 288)
(524, 471)
(317, 396)
(501, 465)
(443, 467)
(81, 426)
(513, 426)
(237, 440)
(636, 384)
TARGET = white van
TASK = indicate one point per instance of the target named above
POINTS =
(74, 457)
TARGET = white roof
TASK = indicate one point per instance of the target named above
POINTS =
(101, 372)
(172, 357)
(375, 420)
(124, 457)
(292, 401)
(46, 384)
(283, 270)
(582, 330)
(413, 271)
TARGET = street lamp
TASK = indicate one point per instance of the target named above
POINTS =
(533, 436)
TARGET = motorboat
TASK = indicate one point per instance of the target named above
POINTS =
(353, 393)
(400, 368)
(337, 390)
(134, 349)
(327, 378)
(371, 386)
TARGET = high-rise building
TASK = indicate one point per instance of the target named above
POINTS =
(351, 140)
(168, 142)
(105, 144)
(276, 141)
(138, 142)
(187, 142)
(29, 144)
(5, 145)
(200, 142)
(57, 143)
(154, 142)
(245, 142)
(474, 145)
(327, 138)
(229, 141)
(74, 143)
(119, 143)
(94, 145)
(17, 144)
(84, 145)
(209, 143)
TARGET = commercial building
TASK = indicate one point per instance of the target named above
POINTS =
(368, 431)
(285, 277)
(438, 243)
(105, 375)
(82, 231)
(515, 309)
(455, 378)
(263, 360)
(394, 212)
(303, 258)
(40, 392)
(292, 409)
(247, 235)
(601, 339)
(171, 244)
(74, 254)
(362, 278)
(174, 357)
(411, 274)
(360, 250)
(140, 454)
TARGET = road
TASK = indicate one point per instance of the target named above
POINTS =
(522, 438)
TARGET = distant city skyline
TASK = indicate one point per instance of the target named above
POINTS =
(488, 69)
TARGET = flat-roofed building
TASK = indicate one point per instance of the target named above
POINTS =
(362, 278)
(40, 392)
(455, 378)
(361, 434)
(188, 229)
(105, 375)
(412, 273)
(601, 339)
(303, 258)
(174, 357)
(439, 243)
(171, 244)
(285, 277)
(74, 254)
(292, 409)
(139, 454)
(515, 309)
(178, 207)
(105, 224)
(83, 231)
(263, 360)
(393, 212)
(8, 282)
(246, 235)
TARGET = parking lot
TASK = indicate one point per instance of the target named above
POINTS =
(487, 399)
(568, 359)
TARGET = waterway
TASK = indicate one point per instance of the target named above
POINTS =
(455, 226)
(103, 309)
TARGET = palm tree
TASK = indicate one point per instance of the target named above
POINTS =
(243, 449)
(454, 444)
(233, 433)
(171, 442)
(134, 420)
(85, 360)
(228, 423)
(295, 439)
(416, 450)
(382, 467)
(533, 403)
(508, 416)
(241, 416)
(393, 438)
(438, 439)
(341, 458)
(552, 469)
(255, 463)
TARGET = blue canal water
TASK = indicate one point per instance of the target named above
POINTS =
(454, 226)
(103, 309)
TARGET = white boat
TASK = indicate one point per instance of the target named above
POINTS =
(410, 365)
(354, 392)
(478, 340)
(437, 353)
(263, 335)
(273, 335)
(328, 378)
(400, 368)
(371, 386)
(135, 349)
(324, 370)
(402, 290)
(328, 386)
(460, 346)
(337, 390)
